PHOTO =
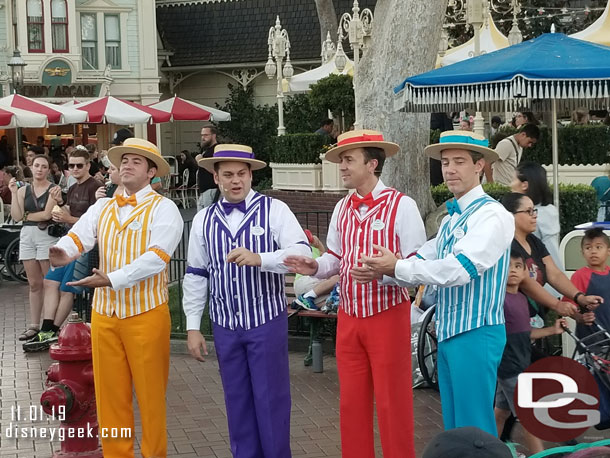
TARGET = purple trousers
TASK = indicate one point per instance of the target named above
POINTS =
(254, 372)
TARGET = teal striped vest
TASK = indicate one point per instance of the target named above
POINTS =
(475, 304)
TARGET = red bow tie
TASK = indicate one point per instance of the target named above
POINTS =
(366, 200)
(122, 201)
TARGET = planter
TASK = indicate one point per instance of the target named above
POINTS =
(331, 177)
(296, 177)
(578, 174)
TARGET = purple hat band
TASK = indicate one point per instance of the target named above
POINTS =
(234, 154)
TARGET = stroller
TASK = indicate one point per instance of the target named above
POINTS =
(593, 351)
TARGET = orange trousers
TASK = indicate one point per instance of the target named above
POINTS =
(374, 361)
(128, 353)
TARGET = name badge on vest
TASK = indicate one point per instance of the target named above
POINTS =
(258, 231)
(459, 233)
(135, 226)
(377, 225)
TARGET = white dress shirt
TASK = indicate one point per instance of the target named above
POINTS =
(287, 233)
(490, 230)
(165, 234)
(409, 228)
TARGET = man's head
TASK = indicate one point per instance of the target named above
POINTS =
(31, 153)
(516, 269)
(527, 136)
(92, 150)
(360, 155)
(524, 117)
(138, 162)
(496, 121)
(462, 155)
(234, 179)
(327, 125)
(121, 135)
(467, 441)
(595, 247)
(78, 164)
(208, 136)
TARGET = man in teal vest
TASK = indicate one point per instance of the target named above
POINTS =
(468, 263)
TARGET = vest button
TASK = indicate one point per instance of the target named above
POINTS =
(235, 296)
(237, 313)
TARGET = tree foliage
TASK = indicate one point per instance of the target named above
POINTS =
(334, 93)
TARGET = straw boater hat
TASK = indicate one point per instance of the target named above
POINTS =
(142, 148)
(231, 153)
(360, 139)
(461, 139)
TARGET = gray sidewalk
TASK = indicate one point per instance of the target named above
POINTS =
(196, 418)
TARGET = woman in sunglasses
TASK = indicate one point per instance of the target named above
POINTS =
(33, 204)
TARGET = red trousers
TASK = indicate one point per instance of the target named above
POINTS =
(374, 360)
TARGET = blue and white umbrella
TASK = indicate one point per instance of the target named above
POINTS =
(541, 73)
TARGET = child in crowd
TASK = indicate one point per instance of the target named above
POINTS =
(594, 279)
(517, 352)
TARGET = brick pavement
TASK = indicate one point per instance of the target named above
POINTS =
(196, 414)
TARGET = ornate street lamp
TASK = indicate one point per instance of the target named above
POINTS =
(279, 48)
(17, 65)
(328, 49)
(358, 27)
(515, 36)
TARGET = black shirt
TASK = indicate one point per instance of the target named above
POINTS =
(533, 260)
(205, 180)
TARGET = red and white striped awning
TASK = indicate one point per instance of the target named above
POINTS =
(56, 114)
(185, 110)
(11, 117)
(118, 111)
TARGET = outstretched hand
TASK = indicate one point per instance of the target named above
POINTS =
(58, 257)
(301, 265)
(98, 279)
(196, 343)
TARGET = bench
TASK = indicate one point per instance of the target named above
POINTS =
(315, 325)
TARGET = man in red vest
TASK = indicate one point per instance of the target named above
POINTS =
(374, 320)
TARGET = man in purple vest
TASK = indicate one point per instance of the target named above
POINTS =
(236, 251)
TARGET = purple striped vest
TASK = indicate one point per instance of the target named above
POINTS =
(242, 296)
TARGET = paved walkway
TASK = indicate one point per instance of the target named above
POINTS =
(196, 413)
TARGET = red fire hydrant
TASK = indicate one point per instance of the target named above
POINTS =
(70, 395)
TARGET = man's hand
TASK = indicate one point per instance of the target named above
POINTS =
(62, 216)
(586, 318)
(58, 257)
(100, 192)
(560, 325)
(195, 342)
(565, 308)
(590, 302)
(318, 244)
(301, 265)
(365, 274)
(98, 279)
(382, 263)
(244, 257)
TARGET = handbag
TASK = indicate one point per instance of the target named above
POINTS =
(53, 229)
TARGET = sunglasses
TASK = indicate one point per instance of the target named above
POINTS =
(530, 211)
(78, 166)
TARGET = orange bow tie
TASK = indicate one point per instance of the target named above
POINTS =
(122, 201)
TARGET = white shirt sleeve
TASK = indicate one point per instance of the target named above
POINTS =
(165, 234)
(195, 284)
(84, 230)
(490, 232)
(328, 263)
(288, 234)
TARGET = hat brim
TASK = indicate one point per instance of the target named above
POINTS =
(390, 149)
(115, 155)
(434, 151)
(208, 162)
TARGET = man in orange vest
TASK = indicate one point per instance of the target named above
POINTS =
(137, 232)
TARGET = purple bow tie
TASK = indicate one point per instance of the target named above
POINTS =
(229, 206)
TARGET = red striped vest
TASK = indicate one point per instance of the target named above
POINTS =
(358, 235)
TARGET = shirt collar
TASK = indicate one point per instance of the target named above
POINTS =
(376, 190)
(248, 198)
(470, 197)
(141, 193)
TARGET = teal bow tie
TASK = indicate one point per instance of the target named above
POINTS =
(453, 207)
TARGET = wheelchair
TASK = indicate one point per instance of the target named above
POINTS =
(11, 267)
(427, 347)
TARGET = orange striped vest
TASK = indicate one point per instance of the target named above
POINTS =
(358, 235)
(119, 245)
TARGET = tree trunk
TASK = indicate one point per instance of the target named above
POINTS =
(328, 19)
(404, 42)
